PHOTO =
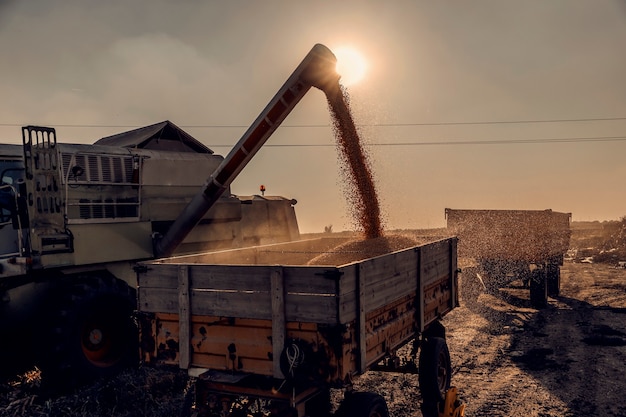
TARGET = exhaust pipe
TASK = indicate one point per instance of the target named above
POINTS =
(317, 69)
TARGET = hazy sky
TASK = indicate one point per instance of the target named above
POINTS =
(436, 71)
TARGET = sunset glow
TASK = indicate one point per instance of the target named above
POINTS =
(351, 65)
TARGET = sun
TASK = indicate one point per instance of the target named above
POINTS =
(351, 65)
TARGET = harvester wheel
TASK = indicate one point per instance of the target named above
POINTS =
(363, 404)
(538, 288)
(435, 371)
(93, 333)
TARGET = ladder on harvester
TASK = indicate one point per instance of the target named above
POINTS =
(44, 192)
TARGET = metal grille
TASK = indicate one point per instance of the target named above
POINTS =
(100, 187)
(117, 169)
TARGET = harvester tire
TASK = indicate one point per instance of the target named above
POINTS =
(363, 404)
(435, 371)
(92, 331)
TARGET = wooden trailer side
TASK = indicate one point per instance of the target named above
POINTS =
(241, 317)
(400, 295)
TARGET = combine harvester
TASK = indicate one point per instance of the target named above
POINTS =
(75, 218)
(265, 333)
(513, 244)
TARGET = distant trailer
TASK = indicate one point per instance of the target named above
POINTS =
(514, 244)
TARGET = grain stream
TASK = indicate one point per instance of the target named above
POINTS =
(360, 188)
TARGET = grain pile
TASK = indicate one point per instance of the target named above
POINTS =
(358, 249)
(355, 167)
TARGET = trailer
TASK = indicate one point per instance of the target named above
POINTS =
(513, 244)
(264, 331)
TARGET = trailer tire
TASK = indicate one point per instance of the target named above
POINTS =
(554, 280)
(435, 370)
(92, 331)
(538, 288)
(363, 404)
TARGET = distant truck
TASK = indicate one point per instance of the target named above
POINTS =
(263, 330)
(514, 244)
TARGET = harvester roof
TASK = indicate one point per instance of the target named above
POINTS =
(164, 136)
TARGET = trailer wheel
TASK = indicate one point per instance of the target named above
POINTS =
(538, 288)
(363, 404)
(554, 280)
(93, 333)
(435, 370)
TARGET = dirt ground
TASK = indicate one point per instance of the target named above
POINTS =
(510, 359)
